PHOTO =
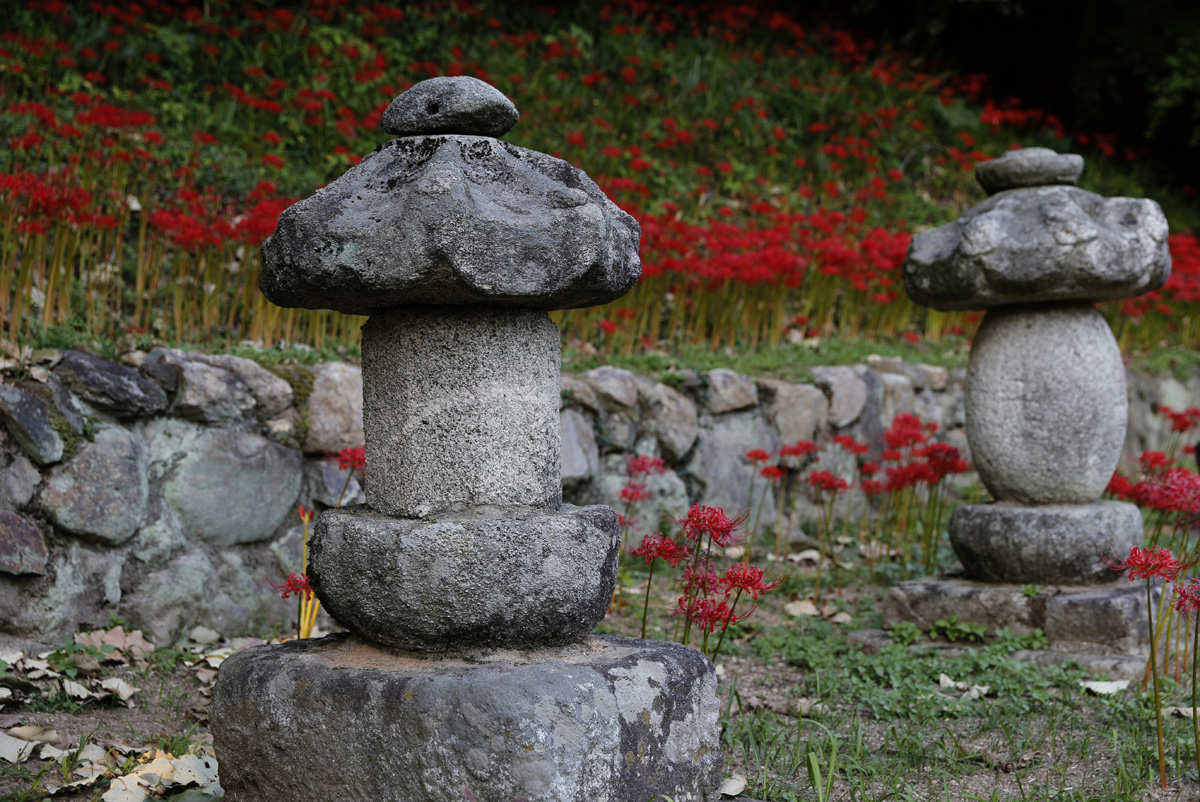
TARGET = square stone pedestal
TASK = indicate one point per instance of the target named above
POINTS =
(1103, 627)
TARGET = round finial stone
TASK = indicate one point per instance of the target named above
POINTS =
(451, 105)
(1027, 167)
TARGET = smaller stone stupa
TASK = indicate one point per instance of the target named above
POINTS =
(468, 587)
(1046, 400)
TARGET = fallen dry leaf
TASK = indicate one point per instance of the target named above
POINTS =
(31, 732)
(1104, 688)
(732, 786)
(801, 607)
(122, 689)
(805, 707)
(15, 750)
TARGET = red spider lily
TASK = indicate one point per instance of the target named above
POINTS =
(943, 460)
(642, 466)
(657, 546)
(1187, 596)
(633, 493)
(1184, 421)
(306, 515)
(799, 448)
(1152, 461)
(710, 521)
(827, 482)
(353, 459)
(757, 455)
(748, 579)
(771, 472)
(850, 444)
(1151, 563)
(296, 585)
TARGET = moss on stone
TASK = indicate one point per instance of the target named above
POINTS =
(300, 379)
(66, 432)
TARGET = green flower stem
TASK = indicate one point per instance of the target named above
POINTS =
(1195, 720)
(646, 606)
(1162, 758)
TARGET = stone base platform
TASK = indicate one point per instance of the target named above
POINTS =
(607, 720)
(1096, 620)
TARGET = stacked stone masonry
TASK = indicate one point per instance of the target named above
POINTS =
(168, 495)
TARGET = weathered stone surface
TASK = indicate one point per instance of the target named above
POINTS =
(613, 385)
(1101, 621)
(462, 410)
(580, 456)
(1052, 544)
(670, 417)
(847, 393)
(919, 375)
(729, 391)
(452, 220)
(898, 396)
(335, 409)
(1046, 403)
(210, 394)
(577, 391)
(116, 389)
(272, 394)
(22, 549)
(719, 465)
(102, 492)
(608, 720)
(162, 367)
(19, 481)
(1029, 167)
(227, 487)
(451, 105)
(484, 578)
(78, 592)
(1040, 244)
(219, 590)
(797, 411)
(328, 484)
(28, 419)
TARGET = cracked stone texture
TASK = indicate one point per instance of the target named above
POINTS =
(450, 105)
(1052, 544)
(847, 393)
(102, 492)
(452, 220)
(489, 577)
(460, 409)
(335, 409)
(608, 720)
(22, 549)
(1029, 167)
(1053, 243)
(29, 420)
(116, 389)
(1046, 403)
(670, 418)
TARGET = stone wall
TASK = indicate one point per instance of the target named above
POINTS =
(165, 492)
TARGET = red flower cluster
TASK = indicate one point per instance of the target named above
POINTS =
(1151, 563)
(353, 459)
(296, 585)
(710, 522)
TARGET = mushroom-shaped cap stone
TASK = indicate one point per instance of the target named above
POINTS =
(1029, 167)
(451, 105)
(1040, 244)
(452, 220)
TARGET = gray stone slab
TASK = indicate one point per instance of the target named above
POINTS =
(847, 393)
(452, 220)
(460, 409)
(1048, 544)
(335, 409)
(580, 455)
(102, 492)
(30, 422)
(489, 577)
(608, 720)
(670, 417)
(1029, 167)
(1040, 244)
(457, 104)
(116, 389)
(1046, 403)
(1107, 621)
(729, 391)
(22, 549)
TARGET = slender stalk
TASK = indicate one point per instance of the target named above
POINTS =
(1162, 758)
(646, 606)
(720, 640)
(1195, 719)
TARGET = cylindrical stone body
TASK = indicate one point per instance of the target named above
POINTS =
(1046, 403)
(460, 409)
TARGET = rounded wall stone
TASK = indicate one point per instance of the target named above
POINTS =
(232, 487)
(494, 578)
(102, 492)
(460, 409)
(1046, 403)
